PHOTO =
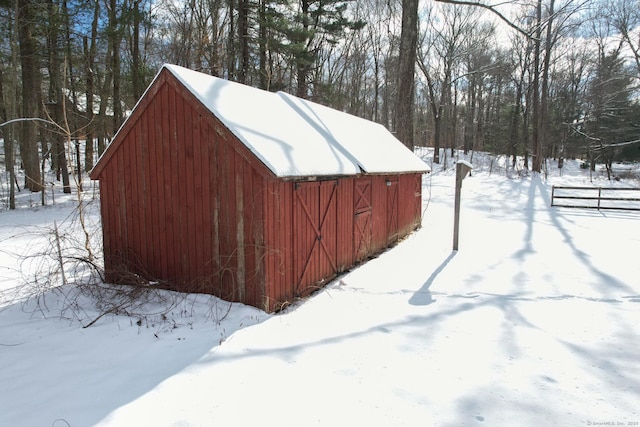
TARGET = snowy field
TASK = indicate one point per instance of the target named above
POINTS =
(535, 321)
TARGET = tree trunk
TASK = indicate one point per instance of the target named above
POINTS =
(89, 64)
(231, 45)
(513, 132)
(103, 128)
(136, 75)
(243, 37)
(536, 165)
(30, 85)
(90, 89)
(8, 147)
(302, 62)
(114, 41)
(544, 95)
(437, 133)
(262, 31)
(69, 47)
(56, 110)
(469, 131)
(406, 70)
(436, 109)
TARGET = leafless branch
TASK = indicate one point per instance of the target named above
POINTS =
(493, 10)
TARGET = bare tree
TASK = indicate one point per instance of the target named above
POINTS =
(480, 62)
(624, 16)
(380, 37)
(442, 50)
(406, 73)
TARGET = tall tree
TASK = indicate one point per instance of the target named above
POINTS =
(137, 81)
(56, 102)
(89, 54)
(480, 62)
(315, 24)
(114, 33)
(404, 118)
(624, 16)
(609, 119)
(536, 112)
(8, 102)
(29, 61)
(273, 24)
(443, 48)
(521, 52)
(8, 144)
(243, 39)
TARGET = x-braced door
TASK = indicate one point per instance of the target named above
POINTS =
(362, 229)
(315, 234)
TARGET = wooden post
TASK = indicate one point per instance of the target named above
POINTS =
(462, 168)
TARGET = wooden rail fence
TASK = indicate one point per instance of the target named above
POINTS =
(621, 198)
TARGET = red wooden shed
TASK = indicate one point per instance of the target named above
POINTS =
(258, 197)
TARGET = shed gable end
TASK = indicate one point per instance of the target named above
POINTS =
(181, 204)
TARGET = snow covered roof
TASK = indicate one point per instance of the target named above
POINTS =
(295, 137)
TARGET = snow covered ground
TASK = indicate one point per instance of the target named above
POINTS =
(535, 321)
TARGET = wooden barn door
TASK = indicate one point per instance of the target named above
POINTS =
(392, 209)
(315, 234)
(362, 229)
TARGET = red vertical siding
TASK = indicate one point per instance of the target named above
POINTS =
(254, 231)
(279, 278)
(157, 171)
(410, 202)
(258, 232)
(142, 188)
(106, 212)
(175, 136)
(345, 223)
(214, 213)
(150, 224)
(133, 198)
(270, 261)
(181, 220)
(226, 194)
(198, 214)
(125, 196)
(165, 178)
(240, 243)
(378, 213)
(206, 264)
(188, 183)
(121, 205)
(162, 198)
(250, 245)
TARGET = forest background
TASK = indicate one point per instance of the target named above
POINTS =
(531, 79)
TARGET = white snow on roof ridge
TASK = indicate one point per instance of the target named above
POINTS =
(295, 137)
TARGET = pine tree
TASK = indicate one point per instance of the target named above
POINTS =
(608, 121)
